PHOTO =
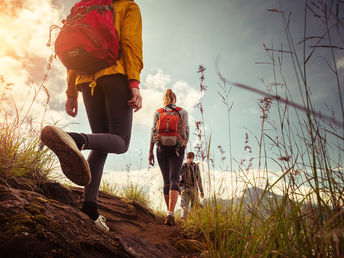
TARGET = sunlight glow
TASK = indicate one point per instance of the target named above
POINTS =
(24, 30)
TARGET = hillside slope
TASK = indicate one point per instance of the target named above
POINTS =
(47, 222)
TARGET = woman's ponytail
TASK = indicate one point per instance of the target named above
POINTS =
(169, 97)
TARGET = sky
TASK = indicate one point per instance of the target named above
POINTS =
(226, 36)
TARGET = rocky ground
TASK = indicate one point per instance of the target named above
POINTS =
(46, 222)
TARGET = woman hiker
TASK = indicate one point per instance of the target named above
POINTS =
(171, 133)
(109, 106)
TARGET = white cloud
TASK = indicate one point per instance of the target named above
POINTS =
(157, 81)
(187, 97)
(153, 90)
(24, 26)
(340, 62)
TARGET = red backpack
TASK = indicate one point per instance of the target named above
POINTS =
(88, 41)
(167, 127)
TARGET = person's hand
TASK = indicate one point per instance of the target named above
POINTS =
(151, 159)
(136, 99)
(202, 195)
(72, 106)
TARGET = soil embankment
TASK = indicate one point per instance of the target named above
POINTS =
(47, 222)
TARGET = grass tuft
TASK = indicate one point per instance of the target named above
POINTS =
(135, 193)
(21, 155)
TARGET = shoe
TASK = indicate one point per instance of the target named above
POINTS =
(73, 164)
(100, 223)
(169, 221)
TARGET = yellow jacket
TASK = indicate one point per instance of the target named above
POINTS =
(128, 24)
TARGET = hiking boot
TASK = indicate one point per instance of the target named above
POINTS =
(100, 223)
(169, 221)
(73, 164)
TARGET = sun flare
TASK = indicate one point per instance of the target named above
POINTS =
(24, 30)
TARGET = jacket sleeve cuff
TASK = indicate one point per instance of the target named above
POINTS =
(134, 84)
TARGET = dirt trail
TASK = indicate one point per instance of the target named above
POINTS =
(140, 232)
(45, 221)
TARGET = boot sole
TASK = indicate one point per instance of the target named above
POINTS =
(73, 164)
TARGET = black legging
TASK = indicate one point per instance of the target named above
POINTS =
(170, 163)
(110, 119)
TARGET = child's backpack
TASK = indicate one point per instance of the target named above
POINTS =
(188, 177)
(88, 41)
(167, 127)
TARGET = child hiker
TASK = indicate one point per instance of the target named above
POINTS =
(190, 182)
(110, 95)
(171, 133)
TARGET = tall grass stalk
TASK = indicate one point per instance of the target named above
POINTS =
(202, 148)
(224, 94)
(300, 214)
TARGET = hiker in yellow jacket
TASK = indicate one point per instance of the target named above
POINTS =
(110, 97)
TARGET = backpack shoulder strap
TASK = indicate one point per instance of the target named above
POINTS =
(177, 109)
(160, 110)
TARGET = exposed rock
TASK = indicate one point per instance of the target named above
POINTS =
(50, 224)
(34, 226)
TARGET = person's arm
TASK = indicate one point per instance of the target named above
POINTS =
(151, 154)
(71, 87)
(131, 44)
(187, 129)
(184, 129)
(136, 99)
(153, 140)
(182, 171)
(72, 94)
(131, 49)
(199, 180)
